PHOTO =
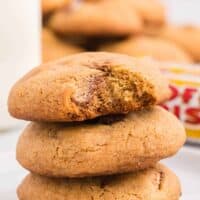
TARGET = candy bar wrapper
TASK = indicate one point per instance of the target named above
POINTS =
(185, 98)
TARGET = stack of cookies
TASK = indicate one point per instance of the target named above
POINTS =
(97, 131)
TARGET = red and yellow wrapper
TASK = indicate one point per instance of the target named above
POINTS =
(185, 99)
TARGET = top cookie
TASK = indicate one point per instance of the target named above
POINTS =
(86, 85)
(103, 17)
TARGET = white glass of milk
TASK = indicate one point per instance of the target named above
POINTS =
(19, 47)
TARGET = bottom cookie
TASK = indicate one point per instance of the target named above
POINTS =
(157, 183)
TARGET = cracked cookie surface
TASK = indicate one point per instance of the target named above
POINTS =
(87, 85)
(152, 184)
(108, 145)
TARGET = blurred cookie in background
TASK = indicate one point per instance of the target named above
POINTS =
(151, 11)
(53, 47)
(50, 5)
(97, 18)
(152, 30)
(157, 48)
(188, 37)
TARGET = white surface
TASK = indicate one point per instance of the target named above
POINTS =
(19, 46)
(183, 11)
(186, 164)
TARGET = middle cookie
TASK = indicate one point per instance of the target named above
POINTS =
(102, 146)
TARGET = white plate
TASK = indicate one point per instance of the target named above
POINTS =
(186, 164)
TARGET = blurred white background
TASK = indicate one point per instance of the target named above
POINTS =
(20, 24)
(183, 11)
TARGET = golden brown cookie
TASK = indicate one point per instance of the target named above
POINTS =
(151, 11)
(158, 48)
(187, 37)
(87, 85)
(152, 184)
(97, 18)
(51, 5)
(54, 48)
(109, 145)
